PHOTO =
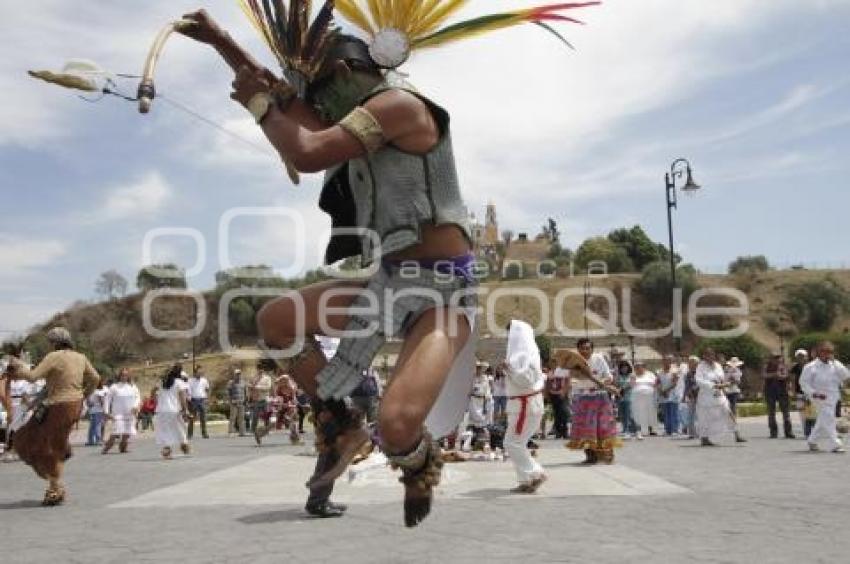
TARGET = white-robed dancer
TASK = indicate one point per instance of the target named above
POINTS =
(524, 387)
(172, 410)
(122, 407)
(821, 381)
(644, 404)
(714, 416)
(19, 391)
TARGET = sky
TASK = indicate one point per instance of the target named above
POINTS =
(755, 93)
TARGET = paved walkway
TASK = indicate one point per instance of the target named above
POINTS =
(666, 500)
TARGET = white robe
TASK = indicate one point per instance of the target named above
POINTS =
(824, 379)
(644, 406)
(524, 378)
(122, 403)
(714, 417)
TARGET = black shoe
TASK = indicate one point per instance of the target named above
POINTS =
(325, 510)
(772, 436)
(790, 436)
(338, 506)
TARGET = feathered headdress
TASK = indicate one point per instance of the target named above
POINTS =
(300, 47)
(398, 27)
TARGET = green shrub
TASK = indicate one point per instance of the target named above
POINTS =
(513, 271)
(756, 263)
(814, 306)
(544, 343)
(655, 283)
(603, 250)
(756, 409)
(750, 351)
(808, 341)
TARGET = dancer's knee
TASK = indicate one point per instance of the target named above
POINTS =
(400, 427)
(275, 322)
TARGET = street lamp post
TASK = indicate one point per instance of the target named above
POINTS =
(681, 168)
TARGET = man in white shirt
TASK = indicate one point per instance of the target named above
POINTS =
(821, 381)
(594, 426)
(199, 393)
(524, 387)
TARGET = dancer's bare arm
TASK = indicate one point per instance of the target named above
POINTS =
(405, 120)
(207, 31)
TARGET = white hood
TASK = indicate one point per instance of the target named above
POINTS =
(523, 359)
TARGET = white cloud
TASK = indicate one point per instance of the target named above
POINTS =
(19, 256)
(140, 199)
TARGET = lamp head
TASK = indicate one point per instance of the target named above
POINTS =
(690, 187)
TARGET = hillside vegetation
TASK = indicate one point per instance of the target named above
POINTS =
(112, 332)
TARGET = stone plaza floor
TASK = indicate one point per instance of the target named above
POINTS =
(666, 500)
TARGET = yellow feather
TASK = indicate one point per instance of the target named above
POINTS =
(377, 16)
(422, 10)
(352, 12)
(437, 16)
(407, 11)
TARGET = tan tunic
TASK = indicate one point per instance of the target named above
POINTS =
(69, 376)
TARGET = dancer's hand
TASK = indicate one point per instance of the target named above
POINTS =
(248, 83)
(204, 28)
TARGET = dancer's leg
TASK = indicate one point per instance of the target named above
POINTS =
(279, 324)
(429, 351)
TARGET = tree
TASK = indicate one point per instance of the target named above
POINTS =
(110, 285)
(507, 237)
(750, 351)
(157, 276)
(814, 306)
(808, 341)
(744, 264)
(551, 231)
(656, 284)
(640, 249)
(601, 249)
(259, 276)
(243, 318)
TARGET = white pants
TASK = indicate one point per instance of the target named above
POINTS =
(825, 424)
(527, 468)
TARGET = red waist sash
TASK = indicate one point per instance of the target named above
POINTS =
(523, 410)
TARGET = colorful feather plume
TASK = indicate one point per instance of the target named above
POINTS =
(298, 45)
(420, 20)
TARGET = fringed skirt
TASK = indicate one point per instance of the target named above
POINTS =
(45, 445)
(594, 426)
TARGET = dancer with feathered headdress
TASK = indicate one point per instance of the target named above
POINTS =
(394, 198)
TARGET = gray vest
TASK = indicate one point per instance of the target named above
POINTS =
(392, 193)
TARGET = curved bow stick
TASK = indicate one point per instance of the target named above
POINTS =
(147, 89)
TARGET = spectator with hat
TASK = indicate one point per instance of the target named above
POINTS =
(734, 375)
